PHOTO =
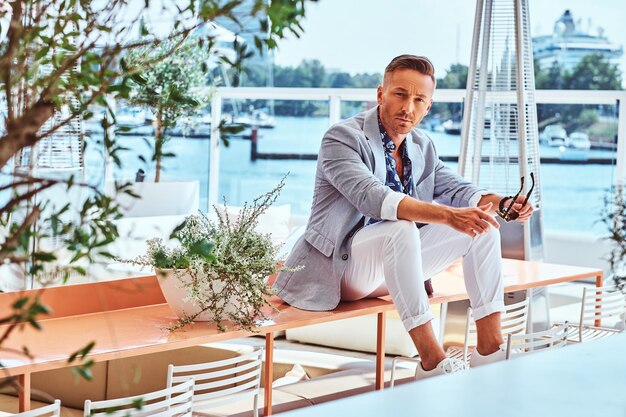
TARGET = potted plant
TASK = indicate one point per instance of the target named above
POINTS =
(218, 272)
(173, 86)
(613, 216)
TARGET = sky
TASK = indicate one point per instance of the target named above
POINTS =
(364, 35)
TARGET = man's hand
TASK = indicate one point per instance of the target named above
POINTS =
(524, 212)
(473, 220)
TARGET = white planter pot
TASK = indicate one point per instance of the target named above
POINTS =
(173, 287)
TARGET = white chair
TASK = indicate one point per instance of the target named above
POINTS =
(522, 344)
(603, 303)
(168, 402)
(513, 321)
(52, 410)
(222, 382)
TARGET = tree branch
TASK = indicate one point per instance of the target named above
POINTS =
(22, 132)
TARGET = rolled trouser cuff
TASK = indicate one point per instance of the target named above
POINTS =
(487, 309)
(416, 321)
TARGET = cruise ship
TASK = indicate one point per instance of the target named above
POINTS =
(568, 44)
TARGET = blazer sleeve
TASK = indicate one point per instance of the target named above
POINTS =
(342, 160)
(451, 189)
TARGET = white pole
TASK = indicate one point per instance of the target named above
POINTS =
(214, 150)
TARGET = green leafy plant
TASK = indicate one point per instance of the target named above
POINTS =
(613, 216)
(227, 260)
(58, 59)
(173, 87)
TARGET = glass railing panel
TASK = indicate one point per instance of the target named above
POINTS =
(289, 147)
(189, 144)
(578, 152)
(351, 108)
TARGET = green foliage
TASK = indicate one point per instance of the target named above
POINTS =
(308, 74)
(228, 262)
(171, 84)
(593, 72)
(58, 59)
(613, 216)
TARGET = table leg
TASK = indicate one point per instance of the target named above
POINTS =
(24, 394)
(599, 282)
(380, 351)
(269, 372)
(443, 316)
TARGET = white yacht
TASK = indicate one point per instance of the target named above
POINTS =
(569, 43)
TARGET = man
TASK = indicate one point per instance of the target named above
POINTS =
(374, 229)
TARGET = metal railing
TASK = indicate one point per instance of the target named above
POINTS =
(334, 96)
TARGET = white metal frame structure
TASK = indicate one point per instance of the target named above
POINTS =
(500, 138)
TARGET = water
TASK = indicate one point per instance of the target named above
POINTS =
(572, 194)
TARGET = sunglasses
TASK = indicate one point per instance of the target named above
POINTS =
(507, 212)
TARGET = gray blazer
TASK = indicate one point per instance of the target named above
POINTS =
(349, 186)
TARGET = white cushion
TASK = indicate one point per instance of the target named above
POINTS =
(296, 374)
(275, 221)
(166, 198)
(290, 242)
(135, 231)
(359, 334)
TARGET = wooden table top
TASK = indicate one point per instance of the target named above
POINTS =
(128, 317)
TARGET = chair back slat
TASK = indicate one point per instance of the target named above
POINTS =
(513, 321)
(251, 385)
(222, 381)
(176, 401)
(601, 303)
(219, 364)
(245, 367)
(520, 344)
(228, 381)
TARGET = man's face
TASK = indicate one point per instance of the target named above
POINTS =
(404, 99)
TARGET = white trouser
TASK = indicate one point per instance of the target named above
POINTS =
(395, 257)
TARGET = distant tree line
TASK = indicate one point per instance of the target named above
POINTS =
(308, 74)
(592, 73)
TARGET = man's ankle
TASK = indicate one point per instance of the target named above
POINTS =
(488, 349)
(428, 364)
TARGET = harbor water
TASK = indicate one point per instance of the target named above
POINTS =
(572, 194)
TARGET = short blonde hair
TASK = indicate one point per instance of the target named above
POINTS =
(417, 63)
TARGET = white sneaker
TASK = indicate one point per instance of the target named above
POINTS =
(479, 360)
(446, 366)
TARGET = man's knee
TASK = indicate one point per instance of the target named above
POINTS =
(402, 232)
(491, 236)
(405, 229)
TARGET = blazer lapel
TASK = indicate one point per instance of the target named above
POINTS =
(372, 133)
(417, 159)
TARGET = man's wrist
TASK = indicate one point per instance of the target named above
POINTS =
(490, 198)
(447, 214)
